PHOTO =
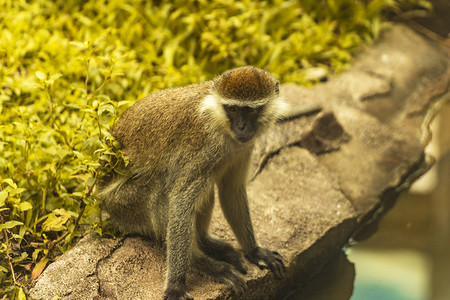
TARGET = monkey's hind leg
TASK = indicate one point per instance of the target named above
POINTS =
(218, 271)
(211, 246)
(222, 251)
(127, 201)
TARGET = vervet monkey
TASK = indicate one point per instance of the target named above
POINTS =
(181, 142)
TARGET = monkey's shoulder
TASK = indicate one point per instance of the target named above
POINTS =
(174, 105)
(185, 96)
(165, 121)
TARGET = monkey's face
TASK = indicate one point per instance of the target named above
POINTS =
(243, 121)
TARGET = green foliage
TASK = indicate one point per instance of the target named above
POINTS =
(69, 68)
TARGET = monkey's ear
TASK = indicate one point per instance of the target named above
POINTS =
(277, 88)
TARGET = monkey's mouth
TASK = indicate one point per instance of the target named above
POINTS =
(243, 138)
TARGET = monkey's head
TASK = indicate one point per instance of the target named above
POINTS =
(244, 102)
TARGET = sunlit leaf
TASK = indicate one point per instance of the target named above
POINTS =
(10, 224)
(3, 196)
(56, 220)
(21, 295)
(24, 206)
(41, 75)
(10, 182)
(78, 44)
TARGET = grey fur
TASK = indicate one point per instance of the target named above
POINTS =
(180, 146)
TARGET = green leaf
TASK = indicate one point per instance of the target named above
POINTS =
(35, 254)
(24, 206)
(79, 44)
(10, 182)
(3, 196)
(41, 75)
(52, 79)
(10, 224)
(91, 181)
(56, 220)
(19, 190)
(78, 194)
(125, 103)
(21, 295)
(20, 258)
(122, 171)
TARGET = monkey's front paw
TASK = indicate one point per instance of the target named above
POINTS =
(176, 294)
(266, 259)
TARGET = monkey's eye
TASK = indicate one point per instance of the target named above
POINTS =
(231, 109)
(257, 109)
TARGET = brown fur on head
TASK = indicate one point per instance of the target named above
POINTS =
(248, 85)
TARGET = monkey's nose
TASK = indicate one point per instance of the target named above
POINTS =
(241, 126)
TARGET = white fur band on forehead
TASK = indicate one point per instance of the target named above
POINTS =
(242, 103)
(252, 104)
(215, 102)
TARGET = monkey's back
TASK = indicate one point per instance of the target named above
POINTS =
(166, 125)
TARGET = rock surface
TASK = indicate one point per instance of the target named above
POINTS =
(319, 180)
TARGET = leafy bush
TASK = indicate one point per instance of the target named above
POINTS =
(69, 68)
